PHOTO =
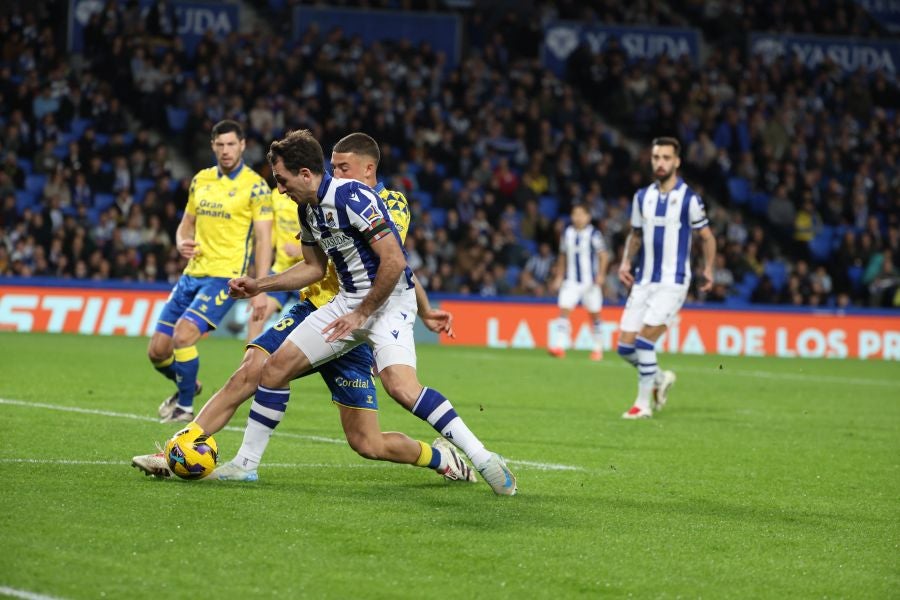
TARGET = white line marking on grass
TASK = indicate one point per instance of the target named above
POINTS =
(794, 376)
(313, 438)
(8, 591)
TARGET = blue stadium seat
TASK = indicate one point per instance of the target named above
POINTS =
(177, 118)
(512, 275)
(739, 190)
(424, 199)
(548, 206)
(855, 275)
(93, 215)
(35, 184)
(820, 246)
(530, 246)
(456, 185)
(277, 5)
(440, 169)
(61, 151)
(759, 203)
(26, 199)
(140, 188)
(438, 217)
(25, 165)
(102, 139)
(79, 126)
(777, 272)
(103, 201)
(746, 286)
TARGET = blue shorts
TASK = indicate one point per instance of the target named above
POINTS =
(204, 301)
(349, 377)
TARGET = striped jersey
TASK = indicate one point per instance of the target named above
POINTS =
(349, 217)
(580, 247)
(225, 207)
(667, 221)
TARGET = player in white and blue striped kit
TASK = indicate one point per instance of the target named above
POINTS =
(580, 273)
(346, 221)
(663, 217)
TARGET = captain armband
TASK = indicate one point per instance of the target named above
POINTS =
(378, 230)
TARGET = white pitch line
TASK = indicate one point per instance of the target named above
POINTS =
(26, 595)
(314, 438)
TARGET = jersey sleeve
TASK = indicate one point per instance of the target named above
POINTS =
(563, 247)
(637, 218)
(305, 236)
(697, 212)
(597, 242)
(364, 212)
(191, 207)
(261, 201)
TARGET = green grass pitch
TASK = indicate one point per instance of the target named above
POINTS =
(763, 478)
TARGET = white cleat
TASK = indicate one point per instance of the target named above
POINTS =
(231, 471)
(636, 412)
(661, 393)
(457, 469)
(153, 465)
(169, 404)
(179, 415)
(498, 476)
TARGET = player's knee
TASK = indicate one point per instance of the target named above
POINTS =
(365, 445)
(403, 390)
(275, 372)
(159, 351)
(247, 376)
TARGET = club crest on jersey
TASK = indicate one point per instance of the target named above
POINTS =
(371, 214)
(329, 219)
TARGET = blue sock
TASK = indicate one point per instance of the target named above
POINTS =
(628, 354)
(166, 367)
(266, 413)
(647, 367)
(437, 411)
(187, 365)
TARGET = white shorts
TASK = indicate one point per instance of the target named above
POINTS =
(589, 294)
(652, 304)
(389, 331)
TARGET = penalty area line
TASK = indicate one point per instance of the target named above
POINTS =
(24, 594)
(312, 438)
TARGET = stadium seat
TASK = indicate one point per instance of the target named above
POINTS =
(512, 275)
(102, 139)
(739, 190)
(61, 151)
(177, 118)
(440, 169)
(759, 203)
(424, 199)
(35, 184)
(25, 165)
(79, 126)
(438, 217)
(777, 272)
(855, 275)
(93, 215)
(746, 286)
(820, 247)
(530, 246)
(26, 199)
(103, 201)
(548, 206)
(140, 188)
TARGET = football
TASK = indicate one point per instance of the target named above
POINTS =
(192, 458)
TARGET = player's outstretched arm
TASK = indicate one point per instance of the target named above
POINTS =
(311, 270)
(438, 321)
(262, 231)
(184, 236)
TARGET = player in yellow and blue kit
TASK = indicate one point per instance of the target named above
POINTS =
(348, 377)
(229, 207)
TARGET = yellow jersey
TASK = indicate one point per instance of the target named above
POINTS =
(285, 226)
(226, 206)
(321, 292)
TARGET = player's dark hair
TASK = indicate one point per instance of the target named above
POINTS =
(668, 141)
(299, 150)
(227, 126)
(359, 143)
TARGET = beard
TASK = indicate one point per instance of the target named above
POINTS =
(662, 175)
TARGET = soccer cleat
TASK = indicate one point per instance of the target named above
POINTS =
(153, 465)
(636, 412)
(661, 392)
(597, 355)
(556, 352)
(231, 471)
(179, 415)
(168, 406)
(498, 476)
(457, 469)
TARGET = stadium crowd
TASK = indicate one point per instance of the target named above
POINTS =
(799, 167)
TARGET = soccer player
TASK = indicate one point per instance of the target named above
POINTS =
(347, 221)
(348, 377)
(663, 216)
(580, 273)
(229, 206)
(285, 226)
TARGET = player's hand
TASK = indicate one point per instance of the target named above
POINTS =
(601, 279)
(439, 321)
(707, 284)
(555, 285)
(292, 250)
(625, 275)
(243, 287)
(189, 248)
(343, 327)
(257, 308)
